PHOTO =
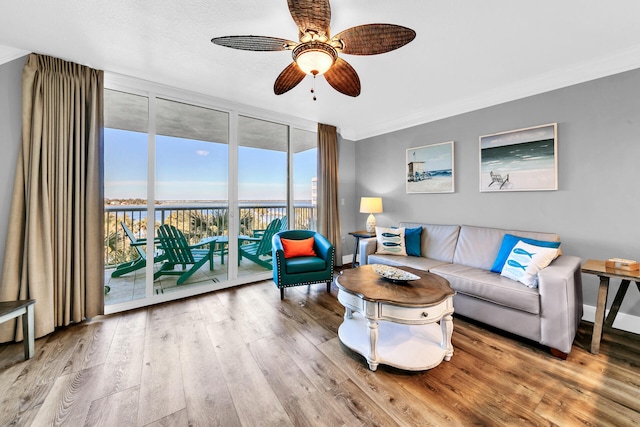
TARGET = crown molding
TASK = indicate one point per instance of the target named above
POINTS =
(626, 60)
(8, 54)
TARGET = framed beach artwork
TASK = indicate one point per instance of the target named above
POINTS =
(520, 160)
(430, 169)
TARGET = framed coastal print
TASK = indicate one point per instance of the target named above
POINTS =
(430, 169)
(520, 160)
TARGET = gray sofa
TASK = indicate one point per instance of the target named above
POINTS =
(464, 255)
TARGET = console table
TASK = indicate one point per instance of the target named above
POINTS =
(362, 234)
(598, 268)
(396, 324)
(24, 308)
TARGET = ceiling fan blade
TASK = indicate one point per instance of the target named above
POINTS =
(343, 78)
(256, 43)
(288, 79)
(311, 15)
(372, 39)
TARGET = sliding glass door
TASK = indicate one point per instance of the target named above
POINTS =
(262, 191)
(125, 191)
(193, 195)
(304, 152)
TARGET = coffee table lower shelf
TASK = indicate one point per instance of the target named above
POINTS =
(409, 347)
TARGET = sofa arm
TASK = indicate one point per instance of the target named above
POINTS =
(367, 247)
(560, 288)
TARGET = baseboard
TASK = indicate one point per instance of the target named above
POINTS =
(347, 259)
(625, 322)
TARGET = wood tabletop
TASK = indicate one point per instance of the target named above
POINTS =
(430, 289)
(597, 267)
(363, 233)
(9, 306)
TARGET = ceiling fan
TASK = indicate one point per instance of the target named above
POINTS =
(317, 52)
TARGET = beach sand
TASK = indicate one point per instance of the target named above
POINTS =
(437, 184)
(535, 179)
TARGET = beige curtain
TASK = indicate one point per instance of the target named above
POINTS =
(328, 207)
(54, 242)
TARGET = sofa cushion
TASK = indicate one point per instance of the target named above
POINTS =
(479, 246)
(525, 261)
(508, 242)
(390, 241)
(492, 287)
(304, 264)
(417, 262)
(437, 242)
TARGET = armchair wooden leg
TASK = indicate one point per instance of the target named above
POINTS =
(328, 287)
(281, 293)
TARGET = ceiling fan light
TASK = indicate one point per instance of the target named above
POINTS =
(314, 57)
(314, 62)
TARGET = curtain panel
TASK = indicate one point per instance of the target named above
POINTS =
(55, 234)
(328, 207)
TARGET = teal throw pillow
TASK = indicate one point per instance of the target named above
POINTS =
(412, 240)
(508, 243)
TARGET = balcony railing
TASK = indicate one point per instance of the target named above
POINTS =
(196, 221)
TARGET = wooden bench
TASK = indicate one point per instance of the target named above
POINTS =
(24, 308)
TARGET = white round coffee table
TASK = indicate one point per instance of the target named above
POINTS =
(407, 326)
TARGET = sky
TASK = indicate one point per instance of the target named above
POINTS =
(198, 170)
(538, 133)
(435, 156)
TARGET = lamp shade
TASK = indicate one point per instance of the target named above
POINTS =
(371, 205)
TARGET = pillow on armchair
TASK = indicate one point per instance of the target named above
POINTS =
(298, 248)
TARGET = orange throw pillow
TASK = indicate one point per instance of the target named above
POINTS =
(296, 248)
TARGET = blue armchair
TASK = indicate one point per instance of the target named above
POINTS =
(303, 270)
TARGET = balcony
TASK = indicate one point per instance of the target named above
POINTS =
(197, 221)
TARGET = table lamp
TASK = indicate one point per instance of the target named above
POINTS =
(371, 205)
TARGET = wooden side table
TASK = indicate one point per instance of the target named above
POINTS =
(24, 308)
(598, 268)
(362, 234)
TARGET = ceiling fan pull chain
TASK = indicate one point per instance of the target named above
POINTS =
(313, 88)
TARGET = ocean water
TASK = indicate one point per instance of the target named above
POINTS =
(442, 172)
(524, 156)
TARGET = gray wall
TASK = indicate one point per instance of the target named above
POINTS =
(10, 134)
(596, 208)
(349, 204)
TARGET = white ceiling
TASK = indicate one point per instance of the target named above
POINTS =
(467, 54)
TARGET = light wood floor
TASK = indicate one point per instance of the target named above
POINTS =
(241, 357)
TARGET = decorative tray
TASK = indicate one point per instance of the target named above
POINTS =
(393, 274)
